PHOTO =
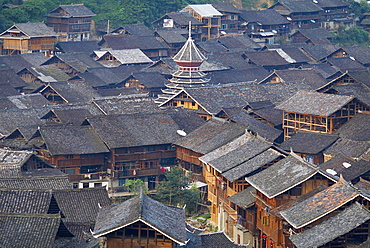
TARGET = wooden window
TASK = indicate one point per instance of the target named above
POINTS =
(266, 220)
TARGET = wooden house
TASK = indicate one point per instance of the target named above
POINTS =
(114, 58)
(335, 12)
(174, 38)
(214, 133)
(317, 214)
(224, 171)
(138, 29)
(309, 76)
(140, 145)
(302, 14)
(262, 21)
(365, 23)
(72, 22)
(318, 112)
(141, 222)
(150, 83)
(149, 45)
(84, 160)
(229, 18)
(279, 184)
(28, 38)
(351, 143)
(350, 169)
(180, 21)
(73, 63)
(309, 145)
(69, 92)
(312, 36)
(209, 16)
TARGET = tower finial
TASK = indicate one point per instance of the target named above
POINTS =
(189, 30)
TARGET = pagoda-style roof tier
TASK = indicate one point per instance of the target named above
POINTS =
(189, 53)
(182, 84)
(192, 64)
(188, 74)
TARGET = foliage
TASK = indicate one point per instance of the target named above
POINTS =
(134, 186)
(358, 8)
(117, 11)
(175, 190)
(352, 36)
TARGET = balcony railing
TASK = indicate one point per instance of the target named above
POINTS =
(138, 172)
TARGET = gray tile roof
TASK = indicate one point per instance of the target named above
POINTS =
(309, 76)
(300, 6)
(238, 75)
(25, 201)
(8, 76)
(256, 126)
(74, 92)
(139, 129)
(151, 79)
(285, 174)
(49, 73)
(332, 4)
(126, 104)
(244, 198)
(226, 7)
(277, 210)
(357, 128)
(70, 139)
(213, 134)
(359, 90)
(81, 205)
(309, 142)
(252, 165)
(71, 10)
(314, 103)
(361, 76)
(218, 240)
(36, 29)
(172, 35)
(264, 17)
(12, 119)
(28, 230)
(350, 148)
(168, 220)
(321, 204)
(320, 52)
(235, 152)
(77, 60)
(211, 46)
(360, 53)
(86, 46)
(70, 116)
(349, 168)
(144, 43)
(29, 101)
(126, 56)
(336, 226)
(51, 182)
(6, 89)
(346, 63)
(138, 29)
(187, 119)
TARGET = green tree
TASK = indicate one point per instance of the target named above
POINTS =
(352, 36)
(134, 186)
(177, 191)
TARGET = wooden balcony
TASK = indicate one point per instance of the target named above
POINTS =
(92, 176)
(144, 155)
(79, 162)
(138, 173)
